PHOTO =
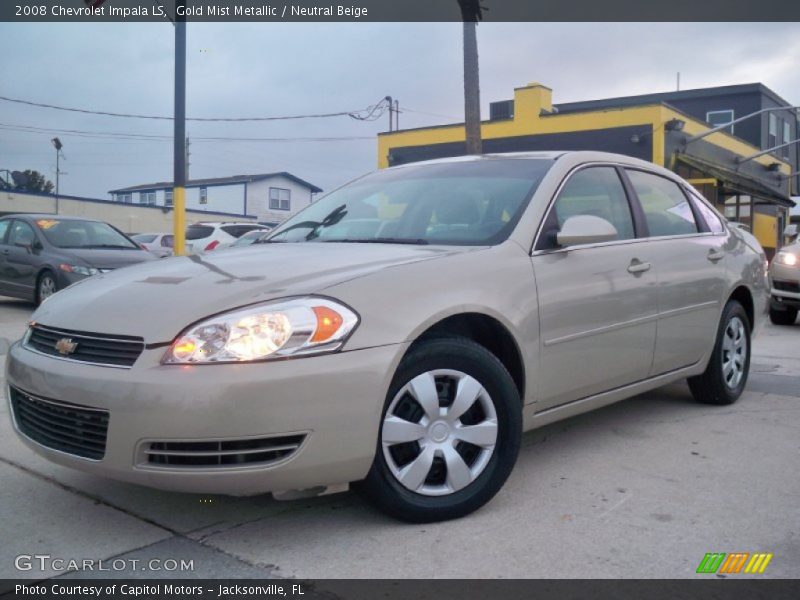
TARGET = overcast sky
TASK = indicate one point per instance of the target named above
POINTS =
(239, 70)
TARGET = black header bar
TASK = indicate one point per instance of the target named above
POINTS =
(398, 10)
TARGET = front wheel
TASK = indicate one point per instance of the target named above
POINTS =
(46, 286)
(450, 433)
(726, 375)
(787, 316)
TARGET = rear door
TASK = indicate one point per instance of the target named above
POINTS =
(597, 302)
(688, 262)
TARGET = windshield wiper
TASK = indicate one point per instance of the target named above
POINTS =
(380, 240)
(106, 246)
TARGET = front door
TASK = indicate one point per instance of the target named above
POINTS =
(21, 260)
(597, 302)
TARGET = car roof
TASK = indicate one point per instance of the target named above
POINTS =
(572, 156)
(35, 216)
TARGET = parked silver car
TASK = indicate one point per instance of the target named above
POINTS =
(426, 316)
(785, 278)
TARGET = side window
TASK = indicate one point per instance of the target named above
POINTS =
(595, 191)
(22, 234)
(167, 241)
(708, 215)
(665, 207)
(3, 229)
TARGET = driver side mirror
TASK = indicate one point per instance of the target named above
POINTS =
(585, 229)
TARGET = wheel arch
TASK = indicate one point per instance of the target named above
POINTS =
(744, 296)
(487, 331)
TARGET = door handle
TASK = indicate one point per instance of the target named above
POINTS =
(638, 266)
(715, 254)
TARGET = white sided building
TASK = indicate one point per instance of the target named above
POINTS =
(268, 198)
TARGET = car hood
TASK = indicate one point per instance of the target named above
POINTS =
(106, 258)
(157, 300)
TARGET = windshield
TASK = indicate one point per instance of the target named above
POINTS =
(145, 238)
(74, 233)
(461, 203)
(249, 238)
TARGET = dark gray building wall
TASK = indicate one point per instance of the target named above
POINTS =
(615, 139)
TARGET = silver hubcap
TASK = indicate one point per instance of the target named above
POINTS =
(734, 352)
(47, 287)
(439, 432)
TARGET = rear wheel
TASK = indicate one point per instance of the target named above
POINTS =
(726, 375)
(450, 433)
(787, 316)
(46, 286)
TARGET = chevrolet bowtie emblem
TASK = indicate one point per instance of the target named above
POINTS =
(66, 346)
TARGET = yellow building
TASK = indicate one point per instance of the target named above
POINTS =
(753, 190)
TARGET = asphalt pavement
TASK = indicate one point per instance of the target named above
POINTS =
(643, 488)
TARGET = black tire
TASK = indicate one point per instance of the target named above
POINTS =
(711, 387)
(787, 316)
(41, 282)
(458, 354)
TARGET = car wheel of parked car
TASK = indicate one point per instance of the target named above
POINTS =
(787, 316)
(45, 287)
(450, 433)
(726, 375)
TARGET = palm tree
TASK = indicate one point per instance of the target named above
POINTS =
(471, 13)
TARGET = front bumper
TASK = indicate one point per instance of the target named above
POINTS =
(785, 292)
(335, 400)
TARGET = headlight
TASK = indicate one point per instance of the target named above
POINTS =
(79, 269)
(786, 258)
(298, 326)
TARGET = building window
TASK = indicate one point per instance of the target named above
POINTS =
(125, 198)
(720, 117)
(787, 137)
(148, 198)
(772, 137)
(167, 197)
(203, 195)
(280, 199)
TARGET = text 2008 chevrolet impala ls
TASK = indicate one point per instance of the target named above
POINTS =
(402, 332)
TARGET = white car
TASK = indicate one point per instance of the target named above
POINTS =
(159, 244)
(206, 236)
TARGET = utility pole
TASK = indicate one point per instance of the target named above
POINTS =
(188, 154)
(179, 135)
(58, 146)
(679, 81)
(397, 115)
(391, 110)
(471, 13)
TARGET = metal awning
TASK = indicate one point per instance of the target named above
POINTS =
(737, 181)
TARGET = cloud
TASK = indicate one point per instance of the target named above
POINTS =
(280, 69)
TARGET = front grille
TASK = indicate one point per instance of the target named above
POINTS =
(81, 346)
(70, 428)
(786, 286)
(222, 453)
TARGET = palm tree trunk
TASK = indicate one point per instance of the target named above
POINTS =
(472, 92)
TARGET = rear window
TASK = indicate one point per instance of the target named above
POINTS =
(198, 232)
(145, 239)
(238, 230)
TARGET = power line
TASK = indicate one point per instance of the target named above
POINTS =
(370, 113)
(164, 138)
(430, 114)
